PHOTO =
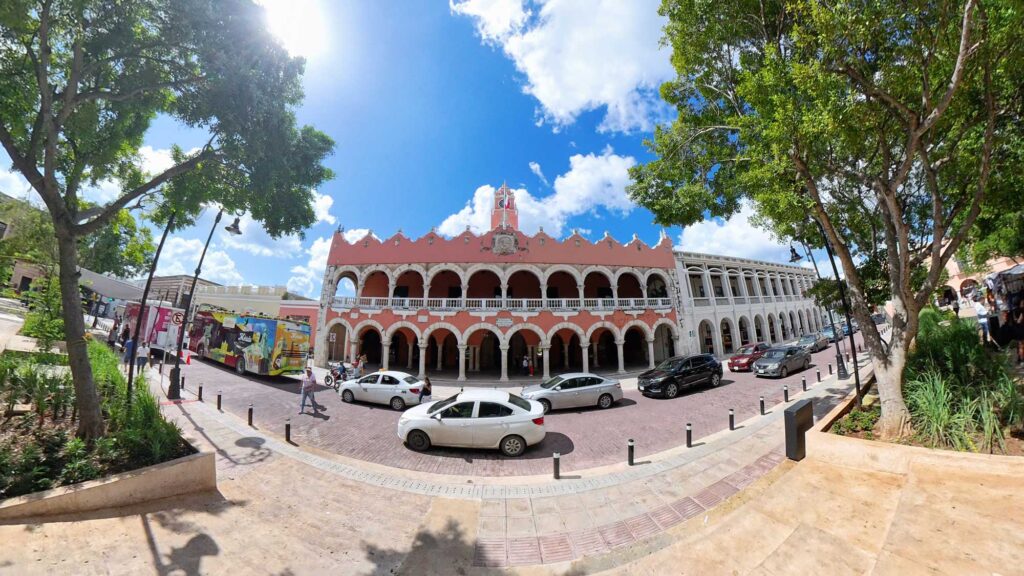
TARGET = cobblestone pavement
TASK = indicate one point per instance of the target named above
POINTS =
(586, 438)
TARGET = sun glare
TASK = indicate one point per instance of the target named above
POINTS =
(299, 24)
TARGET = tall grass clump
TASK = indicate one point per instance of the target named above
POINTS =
(960, 394)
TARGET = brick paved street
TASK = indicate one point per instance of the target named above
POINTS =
(585, 438)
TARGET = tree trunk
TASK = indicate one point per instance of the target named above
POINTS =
(895, 420)
(90, 423)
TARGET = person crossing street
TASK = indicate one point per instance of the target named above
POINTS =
(306, 389)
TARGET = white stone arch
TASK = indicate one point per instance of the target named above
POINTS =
(656, 272)
(712, 333)
(525, 326)
(644, 327)
(429, 331)
(604, 324)
(334, 322)
(640, 276)
(370, 270)
(483, 326)
(729, 323)
(563, 325)
(552, 270)
(486, 267)
(751, 333)
(437, 269)
(357, 330)
(537, 273)
(601, 270)
(761, 325)
(403, 324)
(341, 270)
(671, 326)
(802, 320)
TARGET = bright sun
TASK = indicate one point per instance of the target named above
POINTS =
(298, 24)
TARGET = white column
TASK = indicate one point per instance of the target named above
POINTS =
(650, 353)
(504, 295)
(584, 352)
(345, 347)
(504, 362)
(580, 287)
(408, 361)
(597, 361)
(565, 354)
(440, 354)
(622, 356)
(385, 356)
(544, 359)
(462, 362)
(423, 362)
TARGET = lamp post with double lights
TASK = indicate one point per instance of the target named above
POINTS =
(174, 387)
(795, 257)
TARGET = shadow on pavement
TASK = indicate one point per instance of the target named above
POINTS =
(553, 442)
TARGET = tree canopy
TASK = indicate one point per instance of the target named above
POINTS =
(82, 80)
(892, 124)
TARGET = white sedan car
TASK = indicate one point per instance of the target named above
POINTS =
(475, 419)
(396, 389)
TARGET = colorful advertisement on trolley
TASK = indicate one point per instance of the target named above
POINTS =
(268, 346)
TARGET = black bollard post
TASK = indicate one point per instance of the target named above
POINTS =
(785, 393)
(555, 459)
(803, 382)
(218, 399)
(829, 368)
(630, 445)
(860, 347)
(847, 357)
(732, 419)
(250, 414)
(182, 382)
(689, 435)
(762, 405)
(287, 429)
(200, 392)
(819, 375)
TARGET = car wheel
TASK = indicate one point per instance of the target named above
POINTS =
(397, 404)
(546, 405)
(807, 364)
(784, 372)
(605, 401)
(418, 440)
(347, 396)
(715, 380)
(240, 366)
(671, 391)
(513, 446)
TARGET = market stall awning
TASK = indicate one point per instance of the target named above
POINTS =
(108, 286)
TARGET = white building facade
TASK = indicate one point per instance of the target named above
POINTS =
(726, 302)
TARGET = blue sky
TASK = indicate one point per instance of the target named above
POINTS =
(430, 103)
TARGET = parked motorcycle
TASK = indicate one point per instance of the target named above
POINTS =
(335, 376)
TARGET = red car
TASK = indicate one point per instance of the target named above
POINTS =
(742, 361)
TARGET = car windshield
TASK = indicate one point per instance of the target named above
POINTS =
(807, 339)
(747, 350)
(443, 404)
(520, 402)
(552, 383)
(775, 353)
(410, 379)
(670, 365)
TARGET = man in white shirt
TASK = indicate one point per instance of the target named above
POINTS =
(306, 389)
(982, 311)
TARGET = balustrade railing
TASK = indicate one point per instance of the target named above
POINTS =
(517, 304)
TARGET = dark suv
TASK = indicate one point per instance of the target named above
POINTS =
(674, 374)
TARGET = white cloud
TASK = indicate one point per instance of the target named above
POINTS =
(592, 182)
(356, 234)
(535, 168)
(582, 55)
(322, 207)
(156, 160)
(736, 236)
(255, 240)
(307, 278)
(180, 256)
(495, 19)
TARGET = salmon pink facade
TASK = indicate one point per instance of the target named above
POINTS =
(500, 302)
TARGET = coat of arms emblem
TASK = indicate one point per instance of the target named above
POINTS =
(504, 244)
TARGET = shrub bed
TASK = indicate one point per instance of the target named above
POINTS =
(38, 450)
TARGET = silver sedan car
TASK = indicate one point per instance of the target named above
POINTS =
(782, 361)
(575, 390)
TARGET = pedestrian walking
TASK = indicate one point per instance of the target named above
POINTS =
(526, 365)
(982, 311)
(956, 307)
(125, 334)
(142, 357)
(306, 390)
(426, 389)
(129, 347)
(112, 336)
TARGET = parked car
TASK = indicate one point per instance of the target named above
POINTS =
(678, 373)
(879, 318)
(781, 361)
(475, 419)
(813, 342)
(396, 389)
(742, 360)
(575, 390)
(831, 333)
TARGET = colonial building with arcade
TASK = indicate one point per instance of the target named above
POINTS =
(500, 303)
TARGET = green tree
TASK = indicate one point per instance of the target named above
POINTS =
(122, 248)
(889, 123)
(80, 82)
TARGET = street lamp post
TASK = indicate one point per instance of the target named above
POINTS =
(846, 312)
(174, 387)
(840, 365)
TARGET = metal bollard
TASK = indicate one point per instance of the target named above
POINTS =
(250, 414)
(785, 393)
(182, 380)
(803, 382)
(689, 435)
(555, 459)
(630, 445)
(819, 375)
(762, 405)
(829, 368)
(860, 347)
(732, 419)
(847, 357)
(200, 392)
(287, 429)
(218, 399)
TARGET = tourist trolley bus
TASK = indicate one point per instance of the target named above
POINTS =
(254, 344)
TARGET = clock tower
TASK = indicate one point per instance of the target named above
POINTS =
(504, 215)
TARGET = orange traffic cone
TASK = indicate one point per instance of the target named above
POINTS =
(188, 359)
